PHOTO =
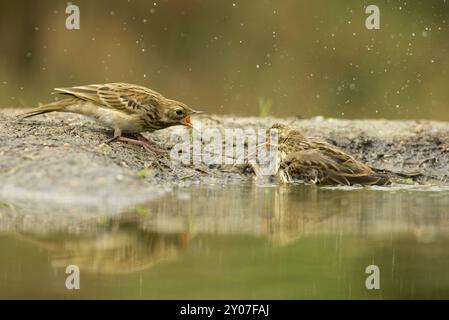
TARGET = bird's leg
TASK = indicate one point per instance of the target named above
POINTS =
(117, 135)
(112, 140)
(140, 141)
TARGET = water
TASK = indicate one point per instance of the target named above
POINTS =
(234, 242)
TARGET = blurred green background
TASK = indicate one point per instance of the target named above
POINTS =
(254, 57)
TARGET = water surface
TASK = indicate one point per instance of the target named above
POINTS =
(227, 242)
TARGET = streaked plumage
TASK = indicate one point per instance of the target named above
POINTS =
(313, 160)
(126, 108)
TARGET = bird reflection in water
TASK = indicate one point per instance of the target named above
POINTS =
(121, 247)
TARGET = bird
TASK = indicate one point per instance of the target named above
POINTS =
(125, 108)
(315, 161)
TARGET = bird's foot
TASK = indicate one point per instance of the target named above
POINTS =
(152, 144)
(139, 140)
(147, 145)
(141, 137)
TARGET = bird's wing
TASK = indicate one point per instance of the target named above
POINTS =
(314, 165)
(119, 96)
(311, 158)
(346, 162)
(330, 170)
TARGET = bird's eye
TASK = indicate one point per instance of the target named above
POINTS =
(179, 112)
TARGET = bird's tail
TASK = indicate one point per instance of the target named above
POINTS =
(412, 174)
(60, 105)
(349, 179)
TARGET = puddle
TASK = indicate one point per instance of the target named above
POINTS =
(230, 242)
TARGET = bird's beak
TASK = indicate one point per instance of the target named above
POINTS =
(186, 121)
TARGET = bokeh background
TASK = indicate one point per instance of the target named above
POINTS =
(252, 57)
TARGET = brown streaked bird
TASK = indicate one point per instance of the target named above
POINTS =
(315, 161)
(123, 107)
